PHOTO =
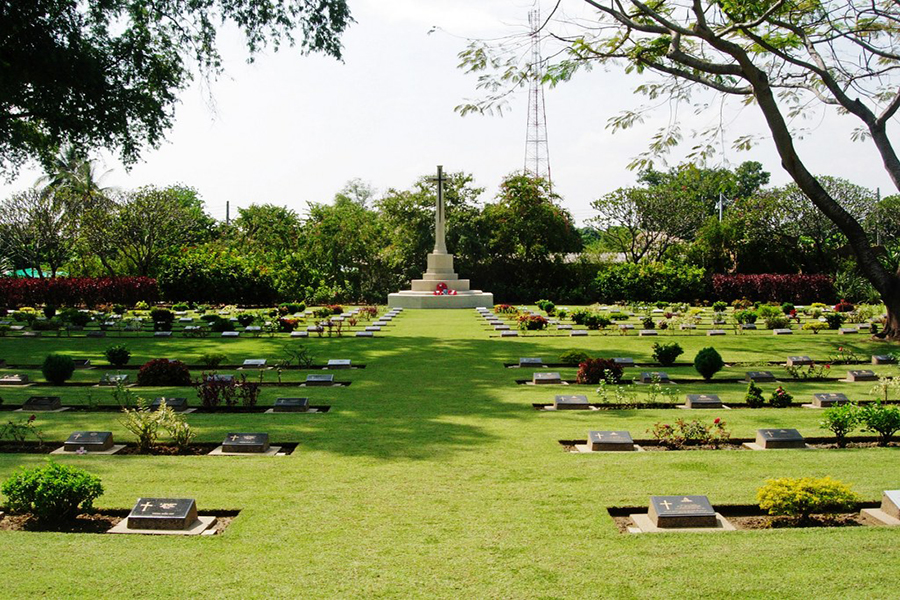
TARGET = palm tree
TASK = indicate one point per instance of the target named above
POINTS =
(75, 173)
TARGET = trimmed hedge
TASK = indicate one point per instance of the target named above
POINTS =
(799, 289)
(650, 282)
(223, 277)
(72, 291)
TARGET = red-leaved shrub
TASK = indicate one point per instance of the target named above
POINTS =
(72, 291)
(161, 371)
(799, 289)
(594, 369)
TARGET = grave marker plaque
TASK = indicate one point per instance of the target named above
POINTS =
(610, 441)
(42, 403)
(255, 363)
(372, 328)
(883, 359)
(781, 331)
(564, 328)
(291, 405)
(501, 327)
(748, 326)
(80, 363)
(162, 334)
(682, 511)
(531, 362)
(545, 378)
(365, 334)
(571, 402)
(163, 513)
(176, 404)
(827, 400)
(253, 329)
(715, 332)
(862, 375)
(339, 363)
(647, 333)
(14, 379)
(799, 361)
(848, 330)
(703, 401)
(231, 334)
(319, 380)
(760, 376)
(95, 334)
(91, 441)
(509, 334)
(578, 333)
(246, 443)
(779, 438)
(299, 334)
(624, 361)
(650, 376)
(217, 378)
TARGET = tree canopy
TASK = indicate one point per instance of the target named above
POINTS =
(107, 74)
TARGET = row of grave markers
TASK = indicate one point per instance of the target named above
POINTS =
(621, 441)
(694, 401)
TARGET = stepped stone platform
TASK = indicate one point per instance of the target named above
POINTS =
(440, 270)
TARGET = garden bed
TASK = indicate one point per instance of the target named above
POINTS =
(99, 521)
(131, 449)
(194, 410)
(748, 517)
(820, 443)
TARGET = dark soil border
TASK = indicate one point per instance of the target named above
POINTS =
(683, 381)
(131, 449)
(773, 363)
(136, 367)
(752, 517)
(543, 406)
(84, 384)
(821, 443)
(99, 521)
(198, 410)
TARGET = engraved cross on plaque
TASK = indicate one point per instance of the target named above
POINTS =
(440, 244)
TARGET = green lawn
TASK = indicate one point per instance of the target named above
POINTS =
(433, 476)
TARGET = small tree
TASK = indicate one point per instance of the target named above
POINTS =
(884, 420)
(708, 362)
(58, 368)
(754, 397)
(118, 355)
(665, 354)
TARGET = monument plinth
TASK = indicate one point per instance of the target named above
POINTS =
(440, 286)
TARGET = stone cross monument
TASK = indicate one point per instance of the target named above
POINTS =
(440, 286)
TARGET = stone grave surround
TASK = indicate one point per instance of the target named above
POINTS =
(440, 272)
(679, 513)
(167, 516)
(777, 439)
(889, 511)
(610, 441)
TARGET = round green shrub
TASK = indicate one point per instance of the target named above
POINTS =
(246, 319)
(51, 493)
(220, 325)
(118, 355)
(574, 357)
(708, 362)
(805, 496)
(754, 397)
(780, 398)
(665, 354)
(58, 368)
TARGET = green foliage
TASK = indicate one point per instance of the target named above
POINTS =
(125, 63)
(246, 319)
(219, 325)
(719, 306)
(881, 419)
(787, 308)
(595, 321)
(176, 426)
(18, 431)
(690, 432)
(53, 493)
(207, 274)
(143, 423)
(841, 420)
(708, 362)
(649, 282)
(805, 496)
(58, 368)
(666, 353)
(780, 398)
(754, 397)
(815, 326)
(118, 355)
(212, 360)
(574, 357)
(745, 316)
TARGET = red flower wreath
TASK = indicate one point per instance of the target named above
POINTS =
(443, 290)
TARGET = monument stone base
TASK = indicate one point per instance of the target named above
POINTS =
(440, 270)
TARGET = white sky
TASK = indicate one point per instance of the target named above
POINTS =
(289, 129)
